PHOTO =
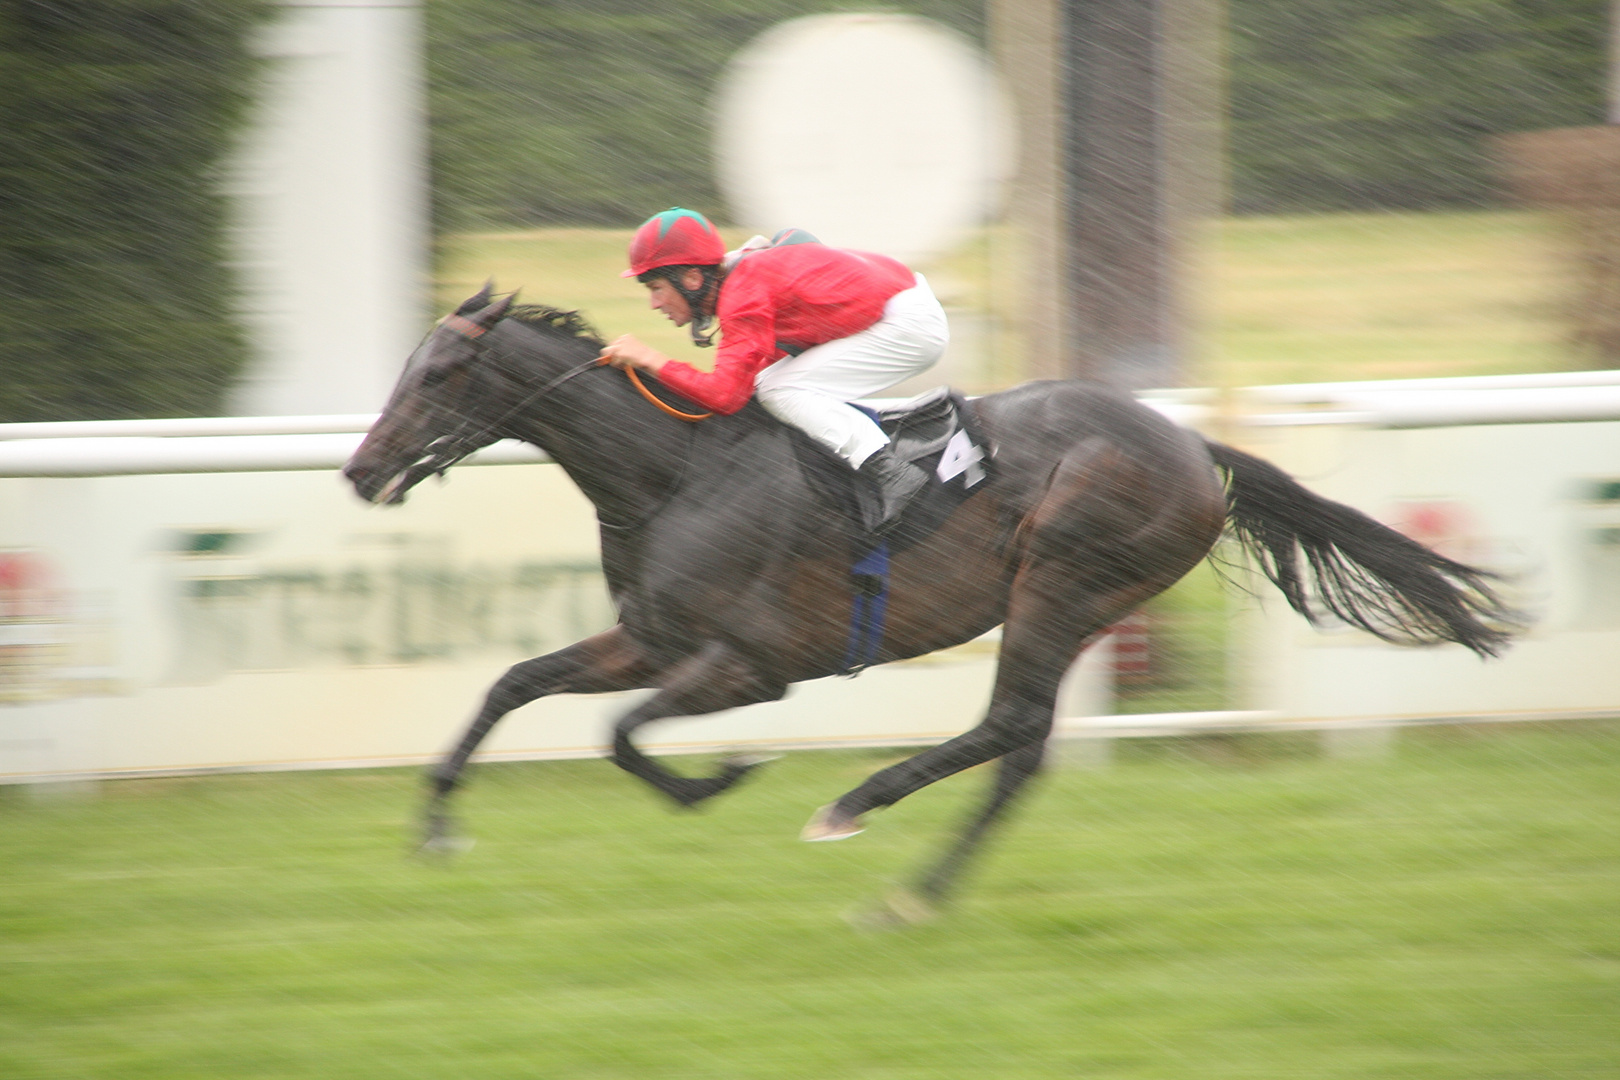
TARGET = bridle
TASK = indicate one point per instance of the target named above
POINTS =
(445, 451)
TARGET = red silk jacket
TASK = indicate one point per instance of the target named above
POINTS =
(782, 300)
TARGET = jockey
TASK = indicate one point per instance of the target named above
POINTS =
(804, 327)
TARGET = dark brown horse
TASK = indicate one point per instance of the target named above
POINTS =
(730, 569)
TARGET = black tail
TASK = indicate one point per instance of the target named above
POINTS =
(1361, 571)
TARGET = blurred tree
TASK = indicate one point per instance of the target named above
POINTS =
(1384, 103)
(591, 111)
(114, 115)
(596, 111)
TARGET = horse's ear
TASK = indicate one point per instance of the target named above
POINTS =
(480, 299)
(494, 312)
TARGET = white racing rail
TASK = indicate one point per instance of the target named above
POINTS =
(150, 717)
(203, 445)
(1560, 397)
(145, 455)
(280, 443)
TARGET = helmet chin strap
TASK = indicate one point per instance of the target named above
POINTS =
(702, 331)
(702, 327)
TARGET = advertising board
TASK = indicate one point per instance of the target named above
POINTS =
(1537, 502)
(154, 623)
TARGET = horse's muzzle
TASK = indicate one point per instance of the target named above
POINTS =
(370, 484)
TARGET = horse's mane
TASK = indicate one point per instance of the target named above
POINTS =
(556, 320)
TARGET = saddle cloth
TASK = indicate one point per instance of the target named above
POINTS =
(937, 432)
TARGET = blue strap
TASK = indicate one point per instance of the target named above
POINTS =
(871, 412)
(866, 617)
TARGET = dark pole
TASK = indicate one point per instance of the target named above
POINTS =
(1614, 62)
(1138, 176)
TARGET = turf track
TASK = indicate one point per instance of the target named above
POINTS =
(1216, 908)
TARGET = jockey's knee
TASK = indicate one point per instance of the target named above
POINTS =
(790, 399)
(831, 421)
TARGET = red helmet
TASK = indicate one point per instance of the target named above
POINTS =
(674, 238)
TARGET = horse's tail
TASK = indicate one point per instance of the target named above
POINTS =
(1359, 570)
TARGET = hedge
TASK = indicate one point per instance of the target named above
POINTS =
(1385, 103)
(114, 115)
(595, 111)
(591, 111)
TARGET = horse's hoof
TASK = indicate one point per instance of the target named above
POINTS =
(444, 847)
(828, 824)
(898, 911)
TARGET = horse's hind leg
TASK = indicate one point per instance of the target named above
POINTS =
(1042, 637)
(718, 677)
(603, 662)
(1013, 771)
(1104, 538)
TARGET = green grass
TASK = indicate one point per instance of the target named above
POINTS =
(1384, 296)
(1219, 909)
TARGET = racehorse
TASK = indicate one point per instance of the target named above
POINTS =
(731, 569)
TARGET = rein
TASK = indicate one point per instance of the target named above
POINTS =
(446, 450)
(471, 330)
(635, 380)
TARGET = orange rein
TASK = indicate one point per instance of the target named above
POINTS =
(635, 379)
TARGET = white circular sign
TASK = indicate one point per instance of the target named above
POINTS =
(885, 133)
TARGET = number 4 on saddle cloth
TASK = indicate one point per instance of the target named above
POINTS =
(937, 432)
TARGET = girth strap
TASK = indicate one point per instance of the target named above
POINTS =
(870, 576)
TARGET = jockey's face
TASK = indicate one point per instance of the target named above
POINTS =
(663, 296)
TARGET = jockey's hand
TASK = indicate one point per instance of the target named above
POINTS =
(629, 351)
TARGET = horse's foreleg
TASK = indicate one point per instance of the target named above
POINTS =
(718, 677)
(607, 661)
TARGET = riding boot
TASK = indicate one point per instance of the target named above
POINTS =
(897, 482)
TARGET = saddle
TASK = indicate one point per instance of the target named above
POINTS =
(939, 428)
(936, 431)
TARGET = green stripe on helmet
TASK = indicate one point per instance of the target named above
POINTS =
(668, 218)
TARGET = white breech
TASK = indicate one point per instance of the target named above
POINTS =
(810, 391)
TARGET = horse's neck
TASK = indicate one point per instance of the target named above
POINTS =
(622, 454)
